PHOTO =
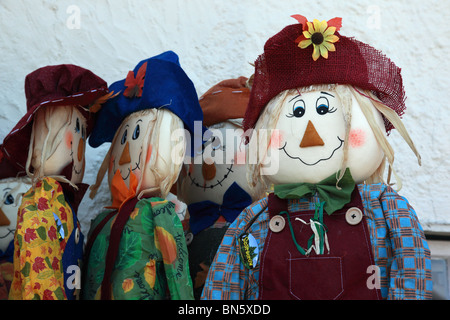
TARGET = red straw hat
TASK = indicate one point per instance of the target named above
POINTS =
(58, 85)
(286, 65)
(227, 99)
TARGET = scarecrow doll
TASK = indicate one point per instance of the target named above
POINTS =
(136, 249)
(320, 109)
(214, 183)
(48, 144)
(12, 186)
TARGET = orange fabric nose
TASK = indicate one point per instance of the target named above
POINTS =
(125, 157)
(311, 138)
(208, 171)
(4, 221)
(80, 149)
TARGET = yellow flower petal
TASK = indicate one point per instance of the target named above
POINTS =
(304, 43)
(323, 26)
(306, 34)
(316, 25)
(316, 53)
(329, 46)
(331, 38)
(330, 30)
(323, 51)
(310, 27)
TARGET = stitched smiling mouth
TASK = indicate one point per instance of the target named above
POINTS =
(129, 171)
(8, 233)
(312, 164)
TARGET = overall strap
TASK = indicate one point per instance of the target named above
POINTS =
(113, 247)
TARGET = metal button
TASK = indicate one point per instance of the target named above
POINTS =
(189, 237)
(77, 235)
(277, 223)
(353, 216)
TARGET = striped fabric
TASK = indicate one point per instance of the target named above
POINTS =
(399, 247)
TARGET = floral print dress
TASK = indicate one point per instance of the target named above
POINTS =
(46, 227)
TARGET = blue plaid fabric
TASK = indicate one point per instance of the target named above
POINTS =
(399, 247)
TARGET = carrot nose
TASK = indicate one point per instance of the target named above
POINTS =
(311, 138)
(4, 221)
(208, 171)
(80, 149)
(125, 157)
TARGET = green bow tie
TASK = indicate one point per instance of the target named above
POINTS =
(334, 198)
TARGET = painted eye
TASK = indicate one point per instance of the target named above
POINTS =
(299, 109)
(323, 106)
(322, 109)
(124, 137)
(136, 132)
(9, 199)
(77, 126)
(83, 132)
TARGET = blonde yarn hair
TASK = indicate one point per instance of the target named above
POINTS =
(43, 144)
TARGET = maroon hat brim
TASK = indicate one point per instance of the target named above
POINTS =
(17, 142)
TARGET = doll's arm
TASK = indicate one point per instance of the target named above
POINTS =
(170, 241)
(410, 270)
(227, 278)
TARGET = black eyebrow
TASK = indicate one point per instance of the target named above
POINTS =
(294, 98)
(139, 120)
(326, 93)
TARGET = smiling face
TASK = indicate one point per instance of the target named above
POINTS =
(219, 163)
(10, 194)
(64, 127)
(310, 139)
(142, 149)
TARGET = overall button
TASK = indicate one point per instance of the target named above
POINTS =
(189, 237)
(77, 235)
(353, 216)
(277, 223)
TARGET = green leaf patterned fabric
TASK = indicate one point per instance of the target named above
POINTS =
(152, 260)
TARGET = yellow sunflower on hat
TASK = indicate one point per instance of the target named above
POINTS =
(320, 34)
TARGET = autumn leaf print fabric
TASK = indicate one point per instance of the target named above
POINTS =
(152, 262)
(44, 217)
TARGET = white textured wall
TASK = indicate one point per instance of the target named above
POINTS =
(216, 40)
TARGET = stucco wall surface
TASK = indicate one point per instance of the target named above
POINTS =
(216, 40)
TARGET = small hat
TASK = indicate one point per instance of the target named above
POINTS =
(292, 59)
(157, 82)
(227, 99)
(58, 85)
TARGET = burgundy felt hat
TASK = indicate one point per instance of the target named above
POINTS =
(284, 65)
(58, 85)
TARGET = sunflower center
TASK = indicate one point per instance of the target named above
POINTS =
(317, 38)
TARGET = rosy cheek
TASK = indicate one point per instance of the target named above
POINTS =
(357, 138)
(276, 139)
(69, 139)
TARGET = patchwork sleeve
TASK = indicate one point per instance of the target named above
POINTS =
(227, 278)
(410, 271)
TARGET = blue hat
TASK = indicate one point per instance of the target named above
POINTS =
(158, 82)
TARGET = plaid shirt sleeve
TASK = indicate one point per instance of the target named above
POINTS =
(228, 279)
(400, 249)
